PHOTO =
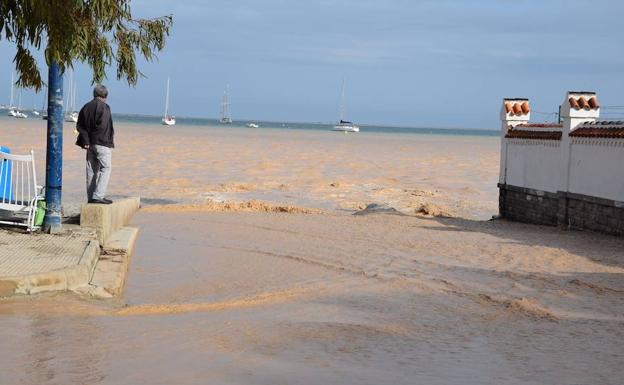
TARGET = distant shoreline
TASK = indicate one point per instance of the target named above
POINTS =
(194, 121)
(317, 126)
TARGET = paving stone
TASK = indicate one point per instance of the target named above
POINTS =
(23, 254)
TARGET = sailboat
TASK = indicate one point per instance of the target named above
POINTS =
(44, 109)
(12, 111)
(71, 115)
(344, 125)
(168, 120)
(225, 108)
(19, 114)
(34, 109)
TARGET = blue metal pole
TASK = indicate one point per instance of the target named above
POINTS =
(54, 152)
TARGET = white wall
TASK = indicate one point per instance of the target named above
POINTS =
(535, 164)
(597, 168)
(588, 166)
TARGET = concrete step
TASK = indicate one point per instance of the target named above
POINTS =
(110, 272)
(107, 219)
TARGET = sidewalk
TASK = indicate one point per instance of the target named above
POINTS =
(34, 263)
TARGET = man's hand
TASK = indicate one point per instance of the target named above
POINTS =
(86, 146)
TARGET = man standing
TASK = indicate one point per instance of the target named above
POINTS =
(95, 134)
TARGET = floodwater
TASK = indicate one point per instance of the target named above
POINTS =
(320, 169)
(266, 298)
(230, 294)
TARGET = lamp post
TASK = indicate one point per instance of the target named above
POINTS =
(54, 151)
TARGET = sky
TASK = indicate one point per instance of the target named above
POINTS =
(437, 63)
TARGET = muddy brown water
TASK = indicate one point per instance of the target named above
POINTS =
(307, 168)
(263, 298)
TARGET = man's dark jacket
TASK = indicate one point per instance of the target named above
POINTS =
(95, 124)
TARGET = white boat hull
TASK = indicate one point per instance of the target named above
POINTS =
(168, 122)
(72, 117)
(346, 128)
(17, 114)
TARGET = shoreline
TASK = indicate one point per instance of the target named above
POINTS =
(154, 120)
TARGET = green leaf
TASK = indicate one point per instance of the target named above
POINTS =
(100, 33)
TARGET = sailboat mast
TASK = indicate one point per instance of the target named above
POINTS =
(12, 86)
(227, 101)
(69, 89)
(222, 104)
(342, 100)
(167, 100)
(225, 104)
(70, 94)
(74, 97)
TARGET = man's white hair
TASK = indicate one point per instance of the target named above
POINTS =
(100, 91)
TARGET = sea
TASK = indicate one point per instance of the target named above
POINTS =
(320, 126)
(206, 122)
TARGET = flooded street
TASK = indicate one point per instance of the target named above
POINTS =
(264, 298)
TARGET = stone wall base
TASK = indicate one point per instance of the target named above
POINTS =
(570, 210)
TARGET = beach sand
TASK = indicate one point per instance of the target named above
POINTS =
(251, 269)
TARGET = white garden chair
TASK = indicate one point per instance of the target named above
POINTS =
(19, 192)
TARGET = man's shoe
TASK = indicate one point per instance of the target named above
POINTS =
(107, 200)
(100, 201)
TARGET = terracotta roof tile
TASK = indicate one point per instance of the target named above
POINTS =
(593, 103)
(600, 129)
(582, 103)
(530, 134)
(517, 107)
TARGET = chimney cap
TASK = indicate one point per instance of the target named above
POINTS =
(582, 92)
(516, 99)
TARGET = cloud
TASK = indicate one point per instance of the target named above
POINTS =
(294, 52)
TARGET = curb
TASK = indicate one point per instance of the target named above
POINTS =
(111, 271)
(106, 219)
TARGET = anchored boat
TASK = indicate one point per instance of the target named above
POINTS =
(225, 107)
(344, 125)
(71, 115)
(168, 119)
